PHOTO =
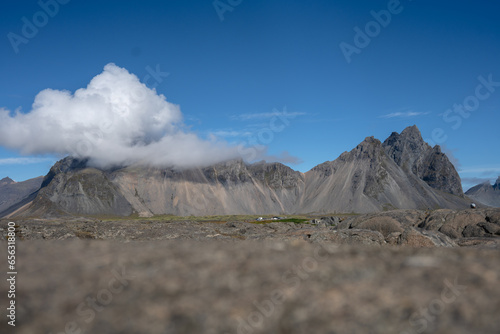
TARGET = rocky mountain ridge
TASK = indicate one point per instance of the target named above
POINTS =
(429, 164)
(402, 172)
(12, 192)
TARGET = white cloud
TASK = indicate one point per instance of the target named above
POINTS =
(266, 115)
(231, 133)
(115, 120)
(472, 181)
(23, 161)
(404, 114)
(483, 170)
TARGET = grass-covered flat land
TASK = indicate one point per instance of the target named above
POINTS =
(215, 218)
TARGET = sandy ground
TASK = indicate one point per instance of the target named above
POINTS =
(239, 286)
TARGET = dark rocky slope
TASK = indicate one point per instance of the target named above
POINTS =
(368, 179)
(72, 187)
(12, 192)
(413, 155)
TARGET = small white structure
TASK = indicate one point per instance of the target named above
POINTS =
(260, 219)
(473, 205)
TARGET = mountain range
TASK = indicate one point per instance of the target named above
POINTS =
(12, 192)
(486, 193)
(401, 172)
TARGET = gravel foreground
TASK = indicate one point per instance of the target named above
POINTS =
(186, 286)
(394, 272)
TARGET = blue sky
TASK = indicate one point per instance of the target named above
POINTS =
(273, 73)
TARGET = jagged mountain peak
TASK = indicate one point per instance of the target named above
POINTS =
(366, 149)
(62, 166)
(370, 140)
(414, 155)
(70, 163)
(497, 184)
(6, 181)
(412, 132)
(370, 148)
(406, 147)
(369, 144)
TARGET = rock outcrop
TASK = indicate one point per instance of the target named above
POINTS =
(441, 227)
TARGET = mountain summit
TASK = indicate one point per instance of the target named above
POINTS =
(402, 172)
(413, 155)
(5, 181)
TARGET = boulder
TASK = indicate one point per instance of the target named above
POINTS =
(384, 225)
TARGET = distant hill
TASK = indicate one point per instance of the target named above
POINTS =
(486, 193)
(403, 172)
(12, 192)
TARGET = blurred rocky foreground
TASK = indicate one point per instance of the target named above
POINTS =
(393, 272)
